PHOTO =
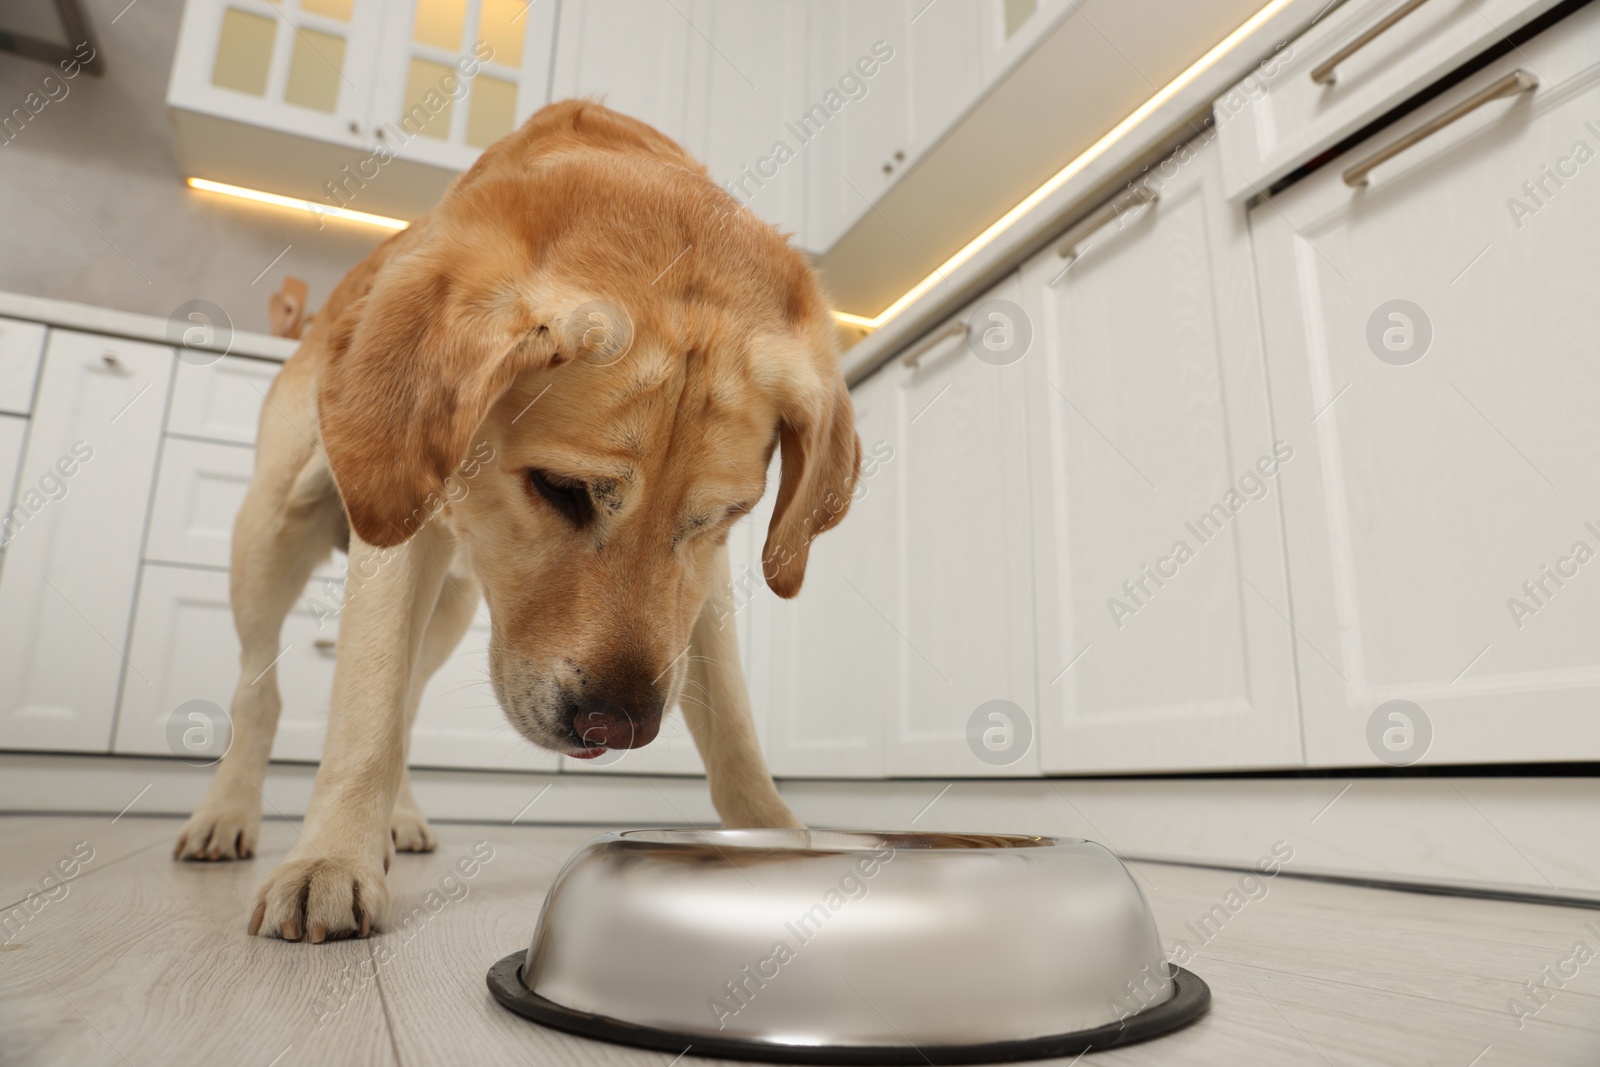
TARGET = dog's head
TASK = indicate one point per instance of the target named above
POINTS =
(588, 373)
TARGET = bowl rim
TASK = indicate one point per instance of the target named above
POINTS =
(1190, 999)
(827, 840)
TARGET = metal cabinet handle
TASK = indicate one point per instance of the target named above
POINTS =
(959, 328)
(1104, 215)
(325, 645)
(1322, 73)
(110, 359)
(1518, 81)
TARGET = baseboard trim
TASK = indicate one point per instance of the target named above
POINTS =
(1513, 838)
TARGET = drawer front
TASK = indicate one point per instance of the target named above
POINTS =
(1279, 117)
(198, 493)
(184, 648)
(21, 347)
(221, 401)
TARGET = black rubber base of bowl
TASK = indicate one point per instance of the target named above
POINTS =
(1189, 1001)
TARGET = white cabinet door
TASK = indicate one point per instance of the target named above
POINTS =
(857, 119)
(755, 86)
(955, 49)
(301, 66)
(184, 647)
(454, 76)
(1163, 616)
(73, 539)
(963, 614)
(826, 664)
(21, 344)
(1431, 344)
(637, 56)
(222, 400)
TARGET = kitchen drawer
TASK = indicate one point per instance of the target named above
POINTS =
(221, 401)
(199, 490)
(1279, 118)
(184, 648)
(21, 346)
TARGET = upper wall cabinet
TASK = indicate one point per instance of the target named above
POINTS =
(1164, 639)
(356, 103)
(635, 56)
(428, 103)
(1431, 330)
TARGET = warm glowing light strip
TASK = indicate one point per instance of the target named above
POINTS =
(1060, 178)
(319, 210)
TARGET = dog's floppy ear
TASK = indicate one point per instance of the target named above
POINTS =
(412, 369)
(821, 458)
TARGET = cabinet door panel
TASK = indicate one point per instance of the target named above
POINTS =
(73, 540)
(854, 125)
(184, 647)
(1164, 641)
(963, 616)
(302, 68)
(636, 55)
(454, 77)
(755, 85)
(827, 659)
(1431, 338)
(221, 401)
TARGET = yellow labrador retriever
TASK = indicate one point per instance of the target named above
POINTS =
(562, 387)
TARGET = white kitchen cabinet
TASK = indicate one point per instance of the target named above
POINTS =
(1431, 341)
(21, 345)
(184, 647)
(198, 492)
(963, 610)
(1365, 57)
(422, 104)
(1163, 635)
(825, 665)
(74, 537)
(755, 85)
(303, 66)
(13, 435)
(640, 57)
(857, 115)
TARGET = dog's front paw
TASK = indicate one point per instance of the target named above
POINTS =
(321, 897)
(224, 829)
(411, 832)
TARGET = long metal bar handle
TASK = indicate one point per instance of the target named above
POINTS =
(1518, 81)
(1323, 74)
(1104, 215)
(959, 328)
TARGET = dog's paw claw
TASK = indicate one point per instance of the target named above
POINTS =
(219, 831)
(410, 832)
(321, 898)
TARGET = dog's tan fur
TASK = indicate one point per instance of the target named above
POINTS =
(462, 354)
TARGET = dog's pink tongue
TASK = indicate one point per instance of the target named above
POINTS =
(588, 753)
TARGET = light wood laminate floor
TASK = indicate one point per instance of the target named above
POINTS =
(145, 961)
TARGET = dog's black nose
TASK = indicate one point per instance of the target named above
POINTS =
(605, 723)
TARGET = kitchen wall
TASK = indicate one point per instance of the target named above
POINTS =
(95, 206)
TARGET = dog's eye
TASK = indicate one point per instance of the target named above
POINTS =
(566, 496)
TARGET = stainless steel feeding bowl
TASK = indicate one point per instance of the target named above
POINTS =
(815, 946)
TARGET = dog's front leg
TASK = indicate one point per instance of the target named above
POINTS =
(331, 884)
(716, 704)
